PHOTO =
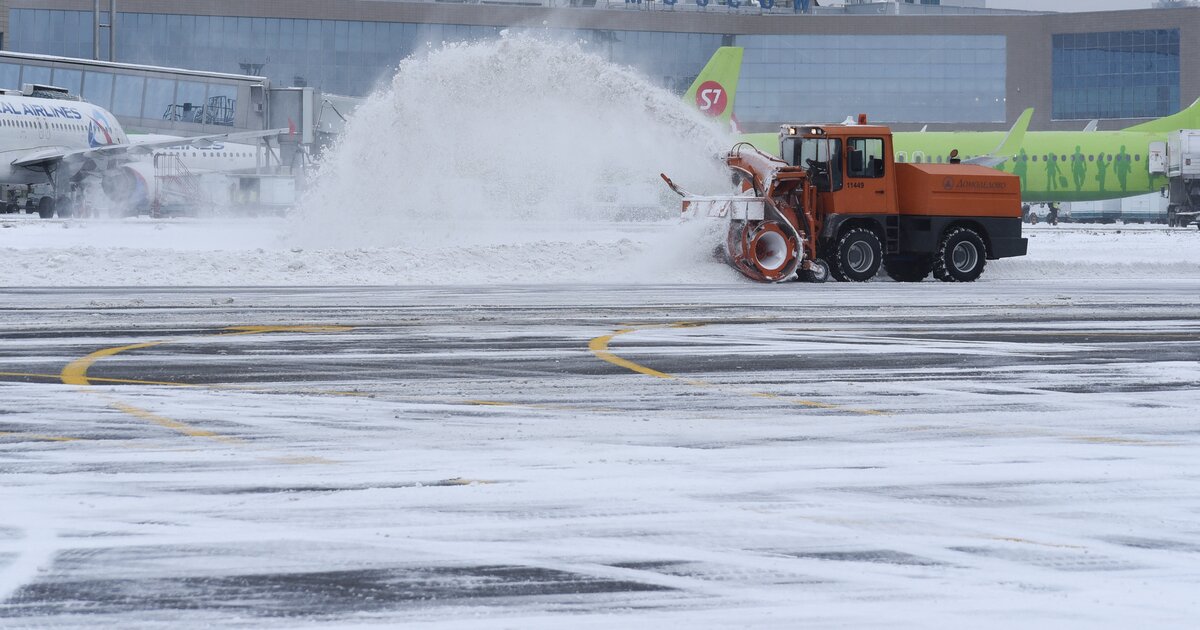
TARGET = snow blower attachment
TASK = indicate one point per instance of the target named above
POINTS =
(837, 204)
(768, 225)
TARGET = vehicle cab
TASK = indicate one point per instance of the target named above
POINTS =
(849, 165)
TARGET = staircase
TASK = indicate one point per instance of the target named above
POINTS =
(176, 188)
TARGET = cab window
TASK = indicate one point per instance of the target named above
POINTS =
(864, 157)
(822, 157)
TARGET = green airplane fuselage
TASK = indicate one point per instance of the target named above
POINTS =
(1053, 165)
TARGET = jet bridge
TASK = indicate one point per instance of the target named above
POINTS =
(182, 102)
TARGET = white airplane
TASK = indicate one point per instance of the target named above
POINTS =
(133, 183)
(55, 139)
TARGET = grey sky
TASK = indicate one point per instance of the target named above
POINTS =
(1070, 5)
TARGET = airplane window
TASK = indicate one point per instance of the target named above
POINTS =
(1091, 158)
(1035, 158)
(1064, 158)
(1137, 157)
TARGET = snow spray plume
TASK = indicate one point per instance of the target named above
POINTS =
(481, 139)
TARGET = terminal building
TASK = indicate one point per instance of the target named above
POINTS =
(953, 64)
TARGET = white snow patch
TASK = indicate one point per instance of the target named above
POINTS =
(255, 253)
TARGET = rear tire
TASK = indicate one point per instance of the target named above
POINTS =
(907, 268)
(857, 256)
(45, 208)
(960, 257)
(63, 207)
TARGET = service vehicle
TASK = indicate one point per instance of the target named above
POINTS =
(838, 204)
(1183, 177)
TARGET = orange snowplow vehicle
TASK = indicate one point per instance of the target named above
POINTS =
(838, 205)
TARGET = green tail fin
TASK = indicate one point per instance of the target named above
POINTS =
(1189, 118)
(713, 90)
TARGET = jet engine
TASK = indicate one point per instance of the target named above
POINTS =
(129, 187)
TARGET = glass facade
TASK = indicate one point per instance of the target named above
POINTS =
(940, 78)
(894, 78)
(1119, 74)
(337, 56)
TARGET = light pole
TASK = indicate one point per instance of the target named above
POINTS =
(112, 30)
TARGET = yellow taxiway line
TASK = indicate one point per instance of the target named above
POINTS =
(599, 347)
(37, 437)
(76, 373)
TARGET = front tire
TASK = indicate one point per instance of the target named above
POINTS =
(907, 268)
(857, 256)
(960, 256)
(817, 272)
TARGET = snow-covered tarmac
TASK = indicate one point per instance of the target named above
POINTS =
(265, 252)
(1020, 451)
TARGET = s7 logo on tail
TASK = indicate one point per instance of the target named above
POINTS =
(711, 98)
